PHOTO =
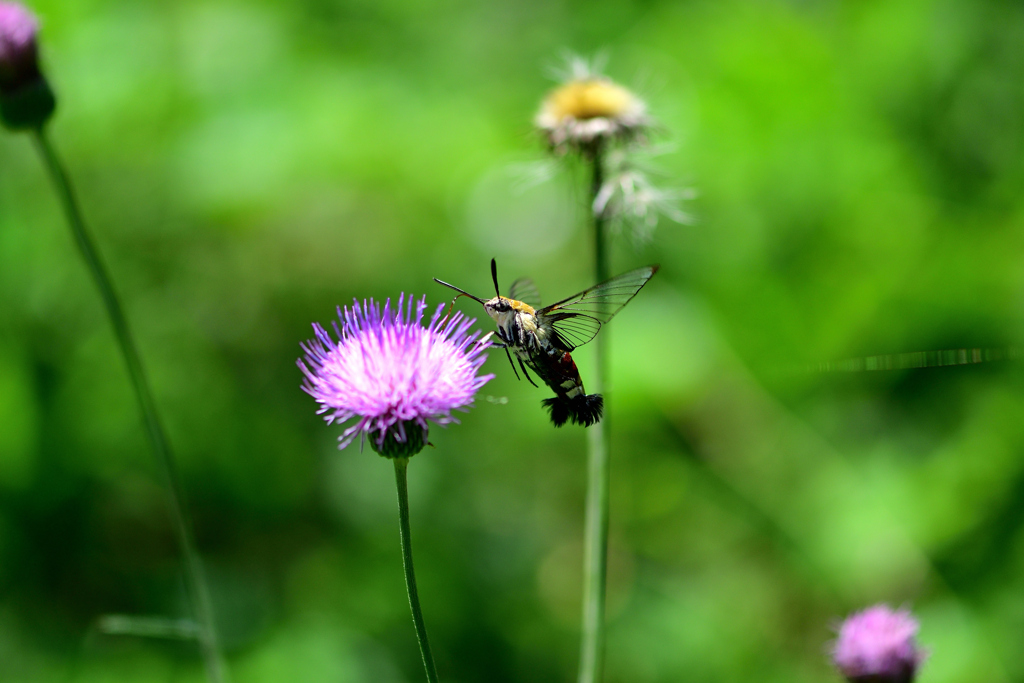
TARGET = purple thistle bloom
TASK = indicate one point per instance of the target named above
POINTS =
(18, 53)
(392, 374)
(878, 645)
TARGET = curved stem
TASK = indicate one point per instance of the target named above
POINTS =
(595, 546)
(401, 464)
(194, 581)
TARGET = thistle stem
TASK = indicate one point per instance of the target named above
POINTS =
(595, 547)
(195, 584)
(401, 464)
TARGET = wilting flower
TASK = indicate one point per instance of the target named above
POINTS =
(629, 198)
(878, 645)
(25, 97)
(588, 109)
(391, 374)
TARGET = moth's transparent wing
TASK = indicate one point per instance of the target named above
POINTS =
(919, 359)
(524, 290)
(575, 330)
(579, 318)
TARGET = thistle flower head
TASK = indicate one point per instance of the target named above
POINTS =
(589, 108)
(26, 100)
(878, 645)
(18, 29)
(391, 374)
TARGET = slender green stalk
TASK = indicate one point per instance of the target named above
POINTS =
(595, 546)
(195, 583)
(401, 464)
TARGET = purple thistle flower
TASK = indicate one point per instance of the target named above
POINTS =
(18, 28)
(878, 645)
(392, 374)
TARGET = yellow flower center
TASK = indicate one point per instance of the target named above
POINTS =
(589, 99)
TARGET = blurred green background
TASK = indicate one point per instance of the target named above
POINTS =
(248, 166)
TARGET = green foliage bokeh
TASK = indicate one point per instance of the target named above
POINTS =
(248, 166)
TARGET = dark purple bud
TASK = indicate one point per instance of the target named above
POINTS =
(878, 645)
(26, 100)
(18, 62)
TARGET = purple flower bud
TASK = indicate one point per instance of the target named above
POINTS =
(26, 100)
(878, 645)
(18, 54)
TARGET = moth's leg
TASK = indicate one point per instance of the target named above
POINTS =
(513, 364)
(514, 331)
(526, 373)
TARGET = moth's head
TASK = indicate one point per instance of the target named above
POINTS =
(498, 308)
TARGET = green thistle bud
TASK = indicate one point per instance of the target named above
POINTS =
(391, 447)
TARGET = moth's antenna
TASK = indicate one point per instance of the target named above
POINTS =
(460, 291)
(494, 276)
(448, 315)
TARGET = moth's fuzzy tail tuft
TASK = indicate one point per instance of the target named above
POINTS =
(559, 409)
(587, 409)
(584, 410)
